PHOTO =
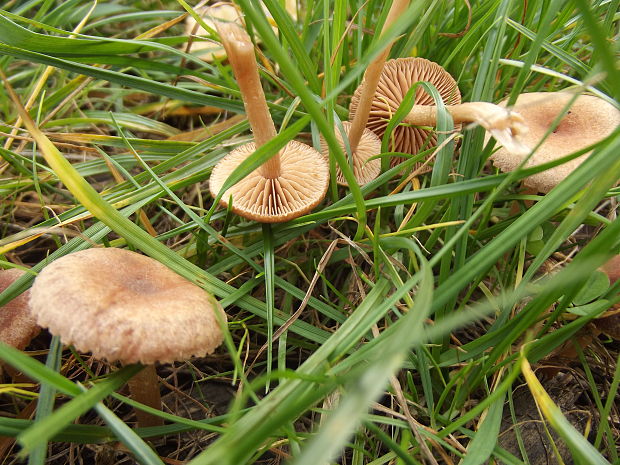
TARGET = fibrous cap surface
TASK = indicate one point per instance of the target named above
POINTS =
(588, 120)
(123, 306)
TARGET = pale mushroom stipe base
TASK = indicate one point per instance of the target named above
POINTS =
(588, 120)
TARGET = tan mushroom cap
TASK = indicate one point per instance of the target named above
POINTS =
(123, 306)
(301, 185)
(17, 325)
(396, 79)
(364, 170)
(587, 121)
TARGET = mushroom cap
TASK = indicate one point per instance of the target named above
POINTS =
(396, 79)
(123, 306)
(588, 120)
(612, 269)
(365, 170)
(301, 186)
(210, 50)
(17, 325)
(226, 12)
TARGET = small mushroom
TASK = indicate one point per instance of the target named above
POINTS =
(396, 79)
(588, 120)
(126, 307)
(17, 326)
(609, 322)
(363, 143)
(210, 50)
(290, 183)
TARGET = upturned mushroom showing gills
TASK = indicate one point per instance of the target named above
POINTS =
(588, 120)
(126, 307)
(397, 78)
(290, 183)
(363, 143)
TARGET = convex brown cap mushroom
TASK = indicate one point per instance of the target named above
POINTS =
(290, 183)
(588, 120)
(126, 307)
(17, 326)
(363, 143)
(397, 78)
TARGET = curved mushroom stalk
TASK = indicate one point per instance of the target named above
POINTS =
(506, 126)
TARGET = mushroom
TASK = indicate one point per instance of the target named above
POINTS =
(210, 50)
(126, 307)
(588, 120)
(397, 78)
(289, 184)
(17, 326)
(609, 322)
(363, 143)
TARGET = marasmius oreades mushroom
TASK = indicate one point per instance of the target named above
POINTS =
(588, 120)
(17, 325)
(290, 183)
(126, 307)
(364, 143)
(395, 81)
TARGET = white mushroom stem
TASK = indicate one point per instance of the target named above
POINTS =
(505, 125)
(240, 51)
(371, 79)
(144, 388)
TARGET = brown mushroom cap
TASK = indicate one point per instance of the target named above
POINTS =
(588, 120)
(396, 79)
(123, 306)
(17, 326)
(301, 185)
(364, 170)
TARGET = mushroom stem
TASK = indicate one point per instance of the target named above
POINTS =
(505, 125)
(144, 388)
(240, 51)
(371, 79)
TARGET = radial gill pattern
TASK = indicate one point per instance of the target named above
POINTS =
(301, 185)
(396, 79)
(364, 169)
